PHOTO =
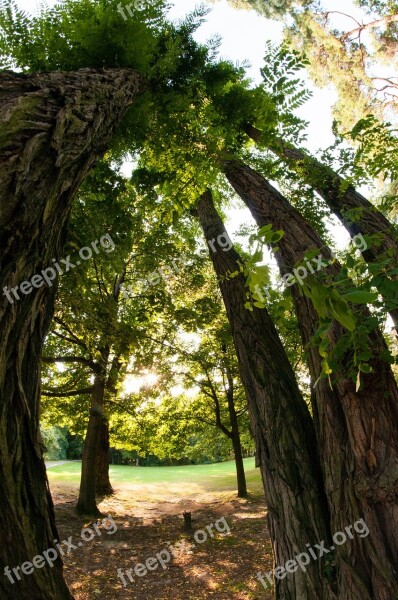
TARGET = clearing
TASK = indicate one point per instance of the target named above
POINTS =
(147, 508)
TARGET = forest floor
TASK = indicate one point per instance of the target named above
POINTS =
(149, 518)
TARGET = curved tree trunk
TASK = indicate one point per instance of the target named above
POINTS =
(281, 423)
(357, 432)
(103, 484)
(53, 128)
(344, 201)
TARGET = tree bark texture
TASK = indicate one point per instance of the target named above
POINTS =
(341, 199)
(53, 127)
(357, 432)
(281, 424)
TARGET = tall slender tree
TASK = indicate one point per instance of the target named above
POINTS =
(290, 471)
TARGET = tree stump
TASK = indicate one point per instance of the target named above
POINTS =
(187, 521)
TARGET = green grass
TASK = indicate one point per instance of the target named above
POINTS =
(194, 479)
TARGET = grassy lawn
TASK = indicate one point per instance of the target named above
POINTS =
(192, 479)
(148, 507)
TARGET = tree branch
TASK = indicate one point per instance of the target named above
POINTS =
(77, 341)
(364, 27)
(337, 12)
(124, 409)
(54, 394)
(72, 359)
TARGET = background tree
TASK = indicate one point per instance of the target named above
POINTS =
(211, 369)
(101, 310)
(357, 56)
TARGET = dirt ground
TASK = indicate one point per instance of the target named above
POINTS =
(219, 567)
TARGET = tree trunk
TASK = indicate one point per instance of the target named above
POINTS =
(344, 201)
(240, 470)
(86, 504)
(103, 484)
(357, 432)
(281, 423)
(235, 434)
(53, 128)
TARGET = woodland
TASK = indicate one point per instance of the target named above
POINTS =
(142, 326)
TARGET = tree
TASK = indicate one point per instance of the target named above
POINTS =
(52, 133)
(212, 368)
(56, 443)
(278, 413)
(55, 126)
(209, 387)
(98, 321)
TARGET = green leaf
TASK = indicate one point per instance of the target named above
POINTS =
(257, 256)
(341, 311)
(361, 297)
(318, 298)
(265, 230)
(326, 368)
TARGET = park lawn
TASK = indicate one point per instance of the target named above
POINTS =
(181, 481)
(148, 507)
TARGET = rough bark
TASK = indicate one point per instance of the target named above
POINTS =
(357, 432)
(54, 126)
(341, 199)
(281, 424)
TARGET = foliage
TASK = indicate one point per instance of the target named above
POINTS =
(56, 442)
(350, 54)
(94, 35)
